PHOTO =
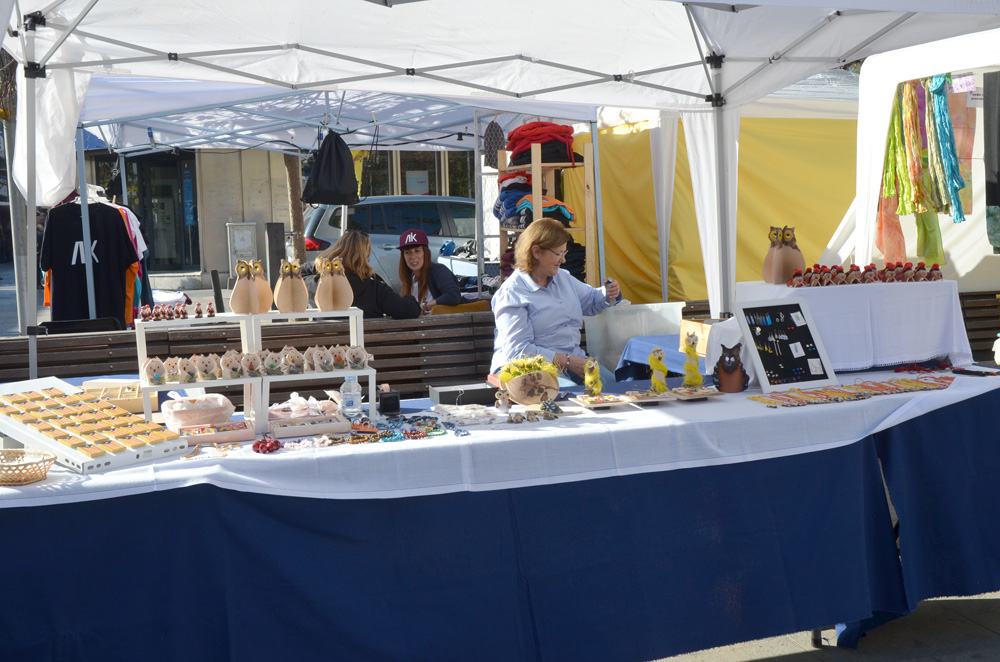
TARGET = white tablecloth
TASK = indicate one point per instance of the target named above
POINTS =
(876, 324)
(614, 442)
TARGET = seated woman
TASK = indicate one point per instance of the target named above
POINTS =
(428, 282)
(371, 294)
(539, 310)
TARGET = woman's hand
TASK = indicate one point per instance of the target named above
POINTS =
(575, 364)
(612, 290)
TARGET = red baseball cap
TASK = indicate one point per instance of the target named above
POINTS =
(412, 237)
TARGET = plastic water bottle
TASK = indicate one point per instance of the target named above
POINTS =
(350, 397)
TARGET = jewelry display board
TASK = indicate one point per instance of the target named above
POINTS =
(784, 344)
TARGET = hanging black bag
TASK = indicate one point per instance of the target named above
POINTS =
(332, 180)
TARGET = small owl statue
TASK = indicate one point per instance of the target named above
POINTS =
(774, 237)
(659, 370)
(729, 375)
(264, 294)
(592, 377)
(290, 293)
(787, 257)
(243, 300)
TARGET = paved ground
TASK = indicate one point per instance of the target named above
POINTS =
(942, 630)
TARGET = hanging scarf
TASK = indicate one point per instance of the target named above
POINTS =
(911, 142)
(935, 168)
(904, 189)
(888, 232)
(946, 136)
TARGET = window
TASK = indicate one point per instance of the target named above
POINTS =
(464, 216)
(402, 216)
(419, 173)
(460, 174)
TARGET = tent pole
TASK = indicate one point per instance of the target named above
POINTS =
(31, 195)
(87, 253)
(121, 171)
(478, 168)
(722, 192)
(597, 203)
(18, 227)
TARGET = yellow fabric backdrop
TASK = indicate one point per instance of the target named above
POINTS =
(796, 172)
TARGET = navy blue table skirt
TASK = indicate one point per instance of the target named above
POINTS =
(628, 568)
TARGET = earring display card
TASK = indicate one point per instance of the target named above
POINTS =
(784, 343)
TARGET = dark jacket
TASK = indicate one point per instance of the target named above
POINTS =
(371, 295)
(376, 299)
(444, 286)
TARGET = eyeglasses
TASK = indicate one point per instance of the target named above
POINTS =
(560, 254)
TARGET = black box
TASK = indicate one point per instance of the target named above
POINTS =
(463, 394)
(388, 402)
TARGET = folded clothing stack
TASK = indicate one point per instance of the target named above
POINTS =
(556, 141)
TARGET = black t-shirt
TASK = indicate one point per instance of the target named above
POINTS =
(62, 252)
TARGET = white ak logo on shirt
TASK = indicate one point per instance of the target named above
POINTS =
(78, 252)
(411, 237)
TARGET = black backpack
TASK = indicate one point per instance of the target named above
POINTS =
(332, 180)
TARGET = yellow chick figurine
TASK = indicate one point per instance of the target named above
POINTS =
(592, 377)
(659, 368)
(692, 375)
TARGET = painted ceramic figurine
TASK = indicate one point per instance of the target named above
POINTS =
(333, 292)
(920, 273)
(787, 257)
(934, 273)
(197, 310)
(853, 275)
(290, 293)
(503, 401)
(796, 280)
(869, 275)
(154, 372)
(839, 277)
(592, 377)
(766, 270)
(729, 375)
(692, 376)
(659, 370)
(264, 294)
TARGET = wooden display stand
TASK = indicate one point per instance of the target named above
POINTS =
(257, 390)
(545, 173)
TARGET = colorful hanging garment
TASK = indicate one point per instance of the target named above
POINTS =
(888, 232)
(911, 143)
(904, 188)
(929, 244)
(946, 136)
(935, 168)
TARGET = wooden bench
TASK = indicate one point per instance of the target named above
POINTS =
(981, 312)
(408, 354)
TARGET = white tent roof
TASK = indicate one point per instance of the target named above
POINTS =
(641, 53)
(124, 110)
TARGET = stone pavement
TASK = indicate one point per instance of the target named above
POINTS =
(941, 630)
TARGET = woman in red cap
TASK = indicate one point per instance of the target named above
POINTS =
(426, 281)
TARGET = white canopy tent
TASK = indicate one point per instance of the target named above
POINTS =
(703, 60)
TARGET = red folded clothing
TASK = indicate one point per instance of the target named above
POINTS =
(522, 137)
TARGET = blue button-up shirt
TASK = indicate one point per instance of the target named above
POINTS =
(534, 320)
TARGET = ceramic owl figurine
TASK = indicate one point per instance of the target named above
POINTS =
(658, 377)
(252, 365)
(243, 300)
(323, 359)
(692, 375)
(729, 375)
(206, 365)
(334, 291)
(154, 371)
(592, 377)
(170, 369)
(264, 294)
(309, 358)
(187, 372)
(787, 257)
(230, 364)
(272, 363)
(339, 357)
(290, 293)
(357, 357)
(774, 237)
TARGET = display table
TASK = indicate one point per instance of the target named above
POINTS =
(876, 324)
(624, 534)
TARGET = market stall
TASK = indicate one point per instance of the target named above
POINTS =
(627, 533)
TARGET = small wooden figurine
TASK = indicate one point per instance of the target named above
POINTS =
(729, 375)
(659, 370)
(692, 375)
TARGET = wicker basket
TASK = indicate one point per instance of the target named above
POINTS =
(24, 465)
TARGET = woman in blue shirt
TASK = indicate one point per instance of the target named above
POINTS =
(539, 310)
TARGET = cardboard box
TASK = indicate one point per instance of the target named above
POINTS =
(700, 326)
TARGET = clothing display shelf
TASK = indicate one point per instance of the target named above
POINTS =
(256, 390)
(543, 175)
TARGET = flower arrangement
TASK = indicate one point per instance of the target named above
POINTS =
(527, 365)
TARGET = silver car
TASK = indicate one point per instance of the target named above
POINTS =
(384, 218)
